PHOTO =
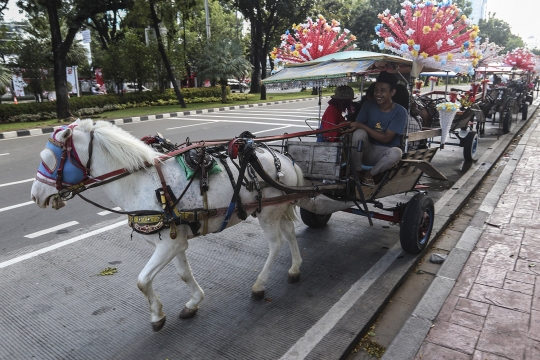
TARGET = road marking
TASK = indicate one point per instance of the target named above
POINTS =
(107, 212)
(50, 230)
(16, 206)
(279, 128)
(218, 117)
(185, 126)
(59, 245)
(17, 182)
(313, 336)
(4, 154)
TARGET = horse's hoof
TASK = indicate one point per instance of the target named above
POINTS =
(187, 313)
(257, 295)
(293, 278)
(158, 325)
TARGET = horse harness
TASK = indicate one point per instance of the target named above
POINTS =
(199, 158)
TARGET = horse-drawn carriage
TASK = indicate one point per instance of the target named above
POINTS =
(506, 98)
(196, 188)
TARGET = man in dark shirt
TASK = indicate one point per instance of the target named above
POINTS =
(378, 127)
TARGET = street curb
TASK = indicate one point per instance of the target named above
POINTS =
(405, 346)
(48, 130)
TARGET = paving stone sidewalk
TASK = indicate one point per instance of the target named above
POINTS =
(493, 309)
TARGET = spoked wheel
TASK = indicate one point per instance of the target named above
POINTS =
(524, 111)
(417, 224)
(470, 146)
(314, 220)
(506, 119)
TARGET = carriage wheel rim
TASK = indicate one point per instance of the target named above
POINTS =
(424, 229)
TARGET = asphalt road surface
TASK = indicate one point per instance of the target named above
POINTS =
(55, 305)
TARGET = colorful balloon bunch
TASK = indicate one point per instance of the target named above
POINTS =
(432, 34)
(312, 40)
(521, 58)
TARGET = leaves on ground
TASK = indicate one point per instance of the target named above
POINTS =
(108, 271)
(371, 347)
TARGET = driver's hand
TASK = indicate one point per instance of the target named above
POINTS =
(352, 127)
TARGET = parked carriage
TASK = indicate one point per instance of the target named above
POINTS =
(327, 162)
(170, 188)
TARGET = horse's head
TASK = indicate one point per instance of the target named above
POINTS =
(75, 153)
(62, 165)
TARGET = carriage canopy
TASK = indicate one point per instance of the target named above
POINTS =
(337, 69)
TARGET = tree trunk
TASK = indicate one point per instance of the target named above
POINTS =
(60, 49)
(155, 22)
(256, 53)
(224, 94)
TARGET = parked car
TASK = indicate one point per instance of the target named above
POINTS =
(236, 85)
(130, 87)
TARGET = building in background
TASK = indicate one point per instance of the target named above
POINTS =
(479, 10)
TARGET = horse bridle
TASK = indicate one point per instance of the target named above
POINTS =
(67, 146)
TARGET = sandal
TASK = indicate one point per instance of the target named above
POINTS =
(367, 182)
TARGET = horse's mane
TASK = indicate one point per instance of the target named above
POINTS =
(125, 150)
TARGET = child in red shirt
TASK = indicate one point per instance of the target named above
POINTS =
(333, 115)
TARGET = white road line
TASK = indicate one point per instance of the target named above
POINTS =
(107, 212)
(318, 331)
(279, 128)
(209, 117)
(17, 182)
(4, 154)
(50, 230)
(60, 244)
(249, 122)
(185, 126)
(16, 206)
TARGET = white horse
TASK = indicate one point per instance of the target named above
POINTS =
(113, 148)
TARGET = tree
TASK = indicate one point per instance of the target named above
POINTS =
(223, 25)
(514, 42)
(498, 31)
(136, 60)
(107, 26)
(34, 58)
(222, 60)
(76, 13)
(155, 22)
(111, 65)
(268, 19)
(364, 22)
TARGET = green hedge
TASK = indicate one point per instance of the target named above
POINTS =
(90, 105)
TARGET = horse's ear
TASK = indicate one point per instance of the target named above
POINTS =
(64, 134)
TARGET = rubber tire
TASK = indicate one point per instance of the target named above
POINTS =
(470, 146)
(417, 224)
(506, 122)
(313, 220)
(524, 111)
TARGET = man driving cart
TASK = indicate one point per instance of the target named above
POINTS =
(377, 130)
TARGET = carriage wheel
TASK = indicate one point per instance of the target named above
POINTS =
(524, 111)
(314, 220)
(506, 122)
(470, 146)
(417, 224)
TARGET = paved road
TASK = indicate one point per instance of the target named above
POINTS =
(57, 307)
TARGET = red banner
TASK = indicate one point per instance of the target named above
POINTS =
(99, 77)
